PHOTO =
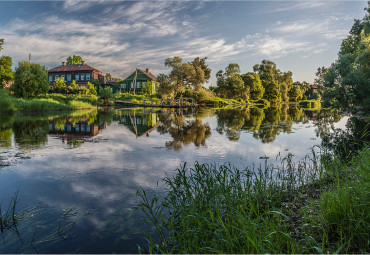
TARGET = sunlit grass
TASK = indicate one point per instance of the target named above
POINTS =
(304, 207)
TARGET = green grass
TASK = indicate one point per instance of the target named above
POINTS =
(313, 206)
(310, 104)
(50, 102)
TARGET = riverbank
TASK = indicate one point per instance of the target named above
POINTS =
(47, 103)
(318, 205)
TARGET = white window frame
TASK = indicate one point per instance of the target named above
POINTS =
(138, 84)
(77, 77)
(82, 77)
(88, 76)
(50, 78)
(69, 77)
(56, 77)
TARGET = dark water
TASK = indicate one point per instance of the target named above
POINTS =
(77, 174)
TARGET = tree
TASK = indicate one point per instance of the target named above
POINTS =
(320, 79)
(107, 95)
(92, 88)
(1, 44)
(231, 84)
(296, 92)
(74, 60)
(272, 91)
(108, 76)
(30, 79)
(253, 81)
(193, 74)
(166, 88)
(271, 76)
(60, 84)
(6, 72)
(347, 82)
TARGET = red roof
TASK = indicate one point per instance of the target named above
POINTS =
(149, 74)
(73, 67)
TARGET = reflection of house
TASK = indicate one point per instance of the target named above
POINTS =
(145, 80)
(79, 130)
(309, 93)
(312, 115)
(81, 73)
(140, 124)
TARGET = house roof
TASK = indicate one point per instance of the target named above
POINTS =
(73, 67)
(149, 75)
(314, 86)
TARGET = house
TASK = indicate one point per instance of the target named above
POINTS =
(145, 81)
(309, 93)
(139, 122)
(81, 73)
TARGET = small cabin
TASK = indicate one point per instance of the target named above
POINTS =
(145, 82)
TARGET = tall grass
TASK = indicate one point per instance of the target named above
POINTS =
(221, 209)
(54, 102)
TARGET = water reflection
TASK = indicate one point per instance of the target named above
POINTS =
(125, 149)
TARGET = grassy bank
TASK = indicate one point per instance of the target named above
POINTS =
(317, 205)
(50, 102)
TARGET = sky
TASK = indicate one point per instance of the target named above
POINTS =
(118, 36)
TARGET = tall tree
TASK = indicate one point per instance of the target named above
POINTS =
(6, 72)
(1, 44)
(231, 84)
(192, 74)
(108, 76)
(74, 60)
(347, 82)
(253, 81)
(320, 79)
(30, 79)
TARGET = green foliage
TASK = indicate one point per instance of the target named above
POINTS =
(106, 95)
(60, 85)
(74, 60)
(6, 72)
(92, 89)
(347, 82)
(313, 104)
(254, 83)
(230, 84)
(1, 44)
(193, 74)
(30, 80)
(272, 91)
(276, 83)
(296, 92)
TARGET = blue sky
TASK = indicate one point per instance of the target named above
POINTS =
(118, 36)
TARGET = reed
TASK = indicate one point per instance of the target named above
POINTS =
(282, 208)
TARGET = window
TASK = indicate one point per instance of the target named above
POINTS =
(63, 76)
(56, 76)
(50, 126)
(50, 78)
(88, 77)
(69, 77)
(77, 128)
(88, 128)
(69, 127)
(138, 84)
(82, 77)
(82, 128)
(143, 84)
(77, 77)
(132, 84)
(138, 121)
(124, 85)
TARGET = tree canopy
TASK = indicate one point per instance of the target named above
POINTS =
(230, 83)
(74, 60)
(30, 79)
(347, 82)
(253, 81)
(192, 74)
(6, 71)
(1, 44)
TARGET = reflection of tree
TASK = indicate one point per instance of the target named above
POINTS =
(6, 137)
(231, 122)
(277, 119)
(324, 121)
(29, 132)
(183, 132)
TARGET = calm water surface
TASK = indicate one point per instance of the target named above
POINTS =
(77, 174)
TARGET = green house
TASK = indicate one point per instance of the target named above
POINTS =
(146, 82)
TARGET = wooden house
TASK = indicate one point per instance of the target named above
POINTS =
(145, 82)
(309, 93)
(81, 73)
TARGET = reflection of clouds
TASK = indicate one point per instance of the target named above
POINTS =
(104, 177)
